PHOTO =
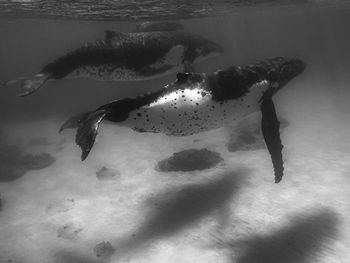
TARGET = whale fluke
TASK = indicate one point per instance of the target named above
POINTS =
(74, 121)
(87, 131)
(28, 84)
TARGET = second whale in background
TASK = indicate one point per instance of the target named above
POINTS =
(127, 56)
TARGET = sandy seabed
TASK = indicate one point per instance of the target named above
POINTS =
(118, 207)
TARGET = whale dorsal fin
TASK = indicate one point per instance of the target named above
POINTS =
(182, 77)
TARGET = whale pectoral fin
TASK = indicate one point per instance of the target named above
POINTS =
(87, 131)
(270, 129)
(28, 84)
(74, 121)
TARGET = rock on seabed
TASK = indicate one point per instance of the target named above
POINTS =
(190, 160)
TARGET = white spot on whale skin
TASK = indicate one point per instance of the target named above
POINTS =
(185, 97)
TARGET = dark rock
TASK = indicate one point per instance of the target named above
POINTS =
(8, 174)
(14, 163)
(9, 155)
(11, 167)
(39, 141)
(60, 207)
(105, 174)
(69, 231)
(37, 162)
(104, 250)
(246, 142)
(59, 149)
(247, 135)
(190, 160)
(283, 122)
(63, 141)
(71, 256)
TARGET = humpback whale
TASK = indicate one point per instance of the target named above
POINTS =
(197, 102)
(126, 57)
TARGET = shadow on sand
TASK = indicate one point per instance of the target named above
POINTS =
(175, 210)
(73, 257)
(300, 242)
(14, 162)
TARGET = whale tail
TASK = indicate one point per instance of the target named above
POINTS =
(75, 121)
(28, 84)
(87, 124)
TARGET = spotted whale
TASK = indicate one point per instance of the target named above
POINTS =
(196, 102)
(126, 57)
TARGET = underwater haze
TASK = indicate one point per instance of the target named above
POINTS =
(148, 197)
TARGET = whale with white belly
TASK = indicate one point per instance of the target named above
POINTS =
(200, 102)
(126, 57)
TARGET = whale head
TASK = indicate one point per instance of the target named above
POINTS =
(284, 70)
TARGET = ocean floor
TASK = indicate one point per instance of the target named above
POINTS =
(203, 198)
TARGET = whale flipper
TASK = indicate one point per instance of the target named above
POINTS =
(29, 84)
(87, 132)
(74, 121)
(270, 129)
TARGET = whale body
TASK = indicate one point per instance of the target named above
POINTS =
(126, 57)
(196, 102)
